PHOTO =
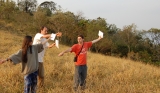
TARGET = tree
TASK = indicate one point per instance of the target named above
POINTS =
(28, 6)
(50, 5)
(66, 23)
(112, 31)
(93, 27)
(40, 18)
(155, 38)
(128, 34)
(6, 9)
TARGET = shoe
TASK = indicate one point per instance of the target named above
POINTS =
(75, 89)
(82, 87)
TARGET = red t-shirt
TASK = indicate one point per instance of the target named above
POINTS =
(82, 57)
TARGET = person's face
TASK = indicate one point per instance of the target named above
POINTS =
(80, 40)
(44, 31)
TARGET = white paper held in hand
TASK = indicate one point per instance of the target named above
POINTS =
(57, 43)
(53, 36)
(100, 33)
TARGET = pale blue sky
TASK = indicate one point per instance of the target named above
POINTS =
(144, 13)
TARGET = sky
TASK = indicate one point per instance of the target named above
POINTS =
(145, 14)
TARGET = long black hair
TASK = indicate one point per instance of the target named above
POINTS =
(26, 44)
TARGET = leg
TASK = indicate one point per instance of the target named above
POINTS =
(41, 74)
(30, 83)
(76, 78)
(27, 84)
(34, 82)
(83, 77)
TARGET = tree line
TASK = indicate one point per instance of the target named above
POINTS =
(26, 17)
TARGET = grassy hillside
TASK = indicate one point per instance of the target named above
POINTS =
(105, 74)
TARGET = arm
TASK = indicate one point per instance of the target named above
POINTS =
(50, 46)
(46, 41)
(66, 51)
(15, 58)
(59, 34)
(96, 40)
(46, 36)
(4, 60)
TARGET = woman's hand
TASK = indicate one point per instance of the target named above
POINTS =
(2, 61)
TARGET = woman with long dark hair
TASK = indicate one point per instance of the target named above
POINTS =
(28, 57)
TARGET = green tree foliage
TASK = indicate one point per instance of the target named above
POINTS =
(6, 10)
(112, 35)
(50, 6)
(40, 18)
(112, 29)
(24, 23)
(127, 38)
(119, 47)
(129, 34)
(28, 6)
(65, 23)
(155, 39)
(93, 27)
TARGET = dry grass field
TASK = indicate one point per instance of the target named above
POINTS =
(105, 74)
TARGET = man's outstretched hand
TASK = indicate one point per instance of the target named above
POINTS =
(59, 34)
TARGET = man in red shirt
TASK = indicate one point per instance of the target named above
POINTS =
(81, 65)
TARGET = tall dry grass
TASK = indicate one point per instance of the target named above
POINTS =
(105, 74)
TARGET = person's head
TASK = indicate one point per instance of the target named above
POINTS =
(80, 39)
(43, 30)
(27, 43)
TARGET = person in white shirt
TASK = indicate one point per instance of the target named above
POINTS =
(40, 38)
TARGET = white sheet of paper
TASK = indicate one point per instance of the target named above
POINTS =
(100, 33)
(53, 36)
(57, 43)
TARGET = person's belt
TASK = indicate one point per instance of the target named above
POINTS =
(81, 65)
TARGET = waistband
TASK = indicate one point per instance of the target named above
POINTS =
(80, 65)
